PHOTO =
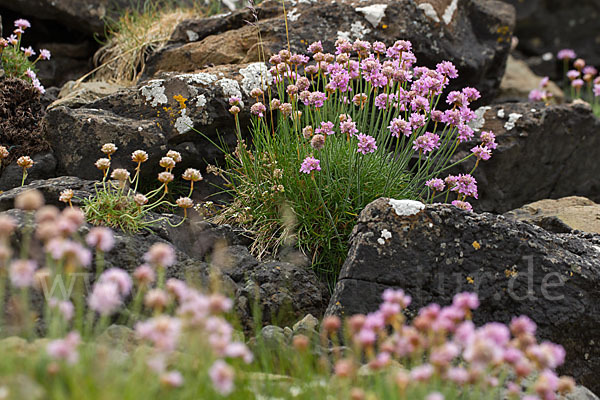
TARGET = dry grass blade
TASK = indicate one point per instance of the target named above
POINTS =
(122, 59)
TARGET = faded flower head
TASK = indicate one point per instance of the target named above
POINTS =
(101, 238)
(167, 163)
(102, 164)
(120, 174)
(175, 155)
(139, 156)
(25, 162)
(3, 152)
(192, 174)
(185, 202)
(165, 177)
(109, 149)
(30, 200)
(140, 200)
(21, 273)
(160, 255)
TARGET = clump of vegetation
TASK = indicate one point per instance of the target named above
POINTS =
(16, 60)
(176, 341)
(118, 204)
(580, 82)
(331, 136)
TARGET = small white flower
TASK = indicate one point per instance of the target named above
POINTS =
(386, 234)
(381, 241)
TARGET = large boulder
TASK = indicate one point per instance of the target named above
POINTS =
(561, 215)
(549, 25)
(474, 34)
(516, 268)
(155, 116)
(543, 152)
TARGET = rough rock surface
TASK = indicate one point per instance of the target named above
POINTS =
(81, 15)
(519, 80)
(207, 255)
(77, 95)
(549, 25)
(543, 152)
(562, 215)
(474, 34)
(153, 118)
(515, 268)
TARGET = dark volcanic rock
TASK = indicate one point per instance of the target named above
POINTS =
(283, 292)
(474, 34)
(151, 118)
(543, 152)
(515, 268)
(550, 25)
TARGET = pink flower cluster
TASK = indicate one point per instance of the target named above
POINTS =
(449, 348)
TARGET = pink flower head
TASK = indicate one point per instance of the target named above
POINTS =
(522, 325)
(482, 152)
(61, 249)
(239, 350)
(28, 51)
(463, 205)
(172, 379)
(400, 126)
(160, 255)
(590, 70)
(22, 24)
(537, 95)
(258, 109)
(105, 298)
(326, 128)
(235, 101)
(435, 184)
(118, 277)
(426, 142)
(422, 373)
(597, 90)
(315, 47)
(31, 74)
(458, 375)
(379, 47)
(45, 54)
(381, 101)
(21, 273)
(466, 301)
(317, 99)
(397, 297)
(162, 331)
(101, 238)
(488, 139)
(447, 69)
(65, 349)
(435, 396)
(471, 94)
(465, 133)
(577, 83)
(348, 127)
(38, 86)
(366, 144)
(573, 74)
(366, 337)
(310, 164)
(65, 308)
(566, 54)
(221, 375)
(416, 120)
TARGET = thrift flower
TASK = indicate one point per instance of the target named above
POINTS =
(160, 255)
(139, 156)
(119, 278)
(221, 375)
(22, 24)
(109, 149)
(105, 298)
(326, 128)
(317, 142)
(427, 142)
(65, 349)
(101, 238)
(481, 152)
(366, 144)
(65, 308)
(21, 273)
(310, 164)
(566, 54)
(258, 109)
(435, 184)
(464, 205)
(172, 379)
(45, 54)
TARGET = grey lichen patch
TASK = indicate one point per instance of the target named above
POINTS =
(201, 78)
(358, 30)
(154, 92)
(183, 123)
(293, 15)
(200, 101)
(406, 207)
(479, 121)
(255, 75)
(449, 13)
(512, 119)
(229, 87)
(373, 13)
(429, 11)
